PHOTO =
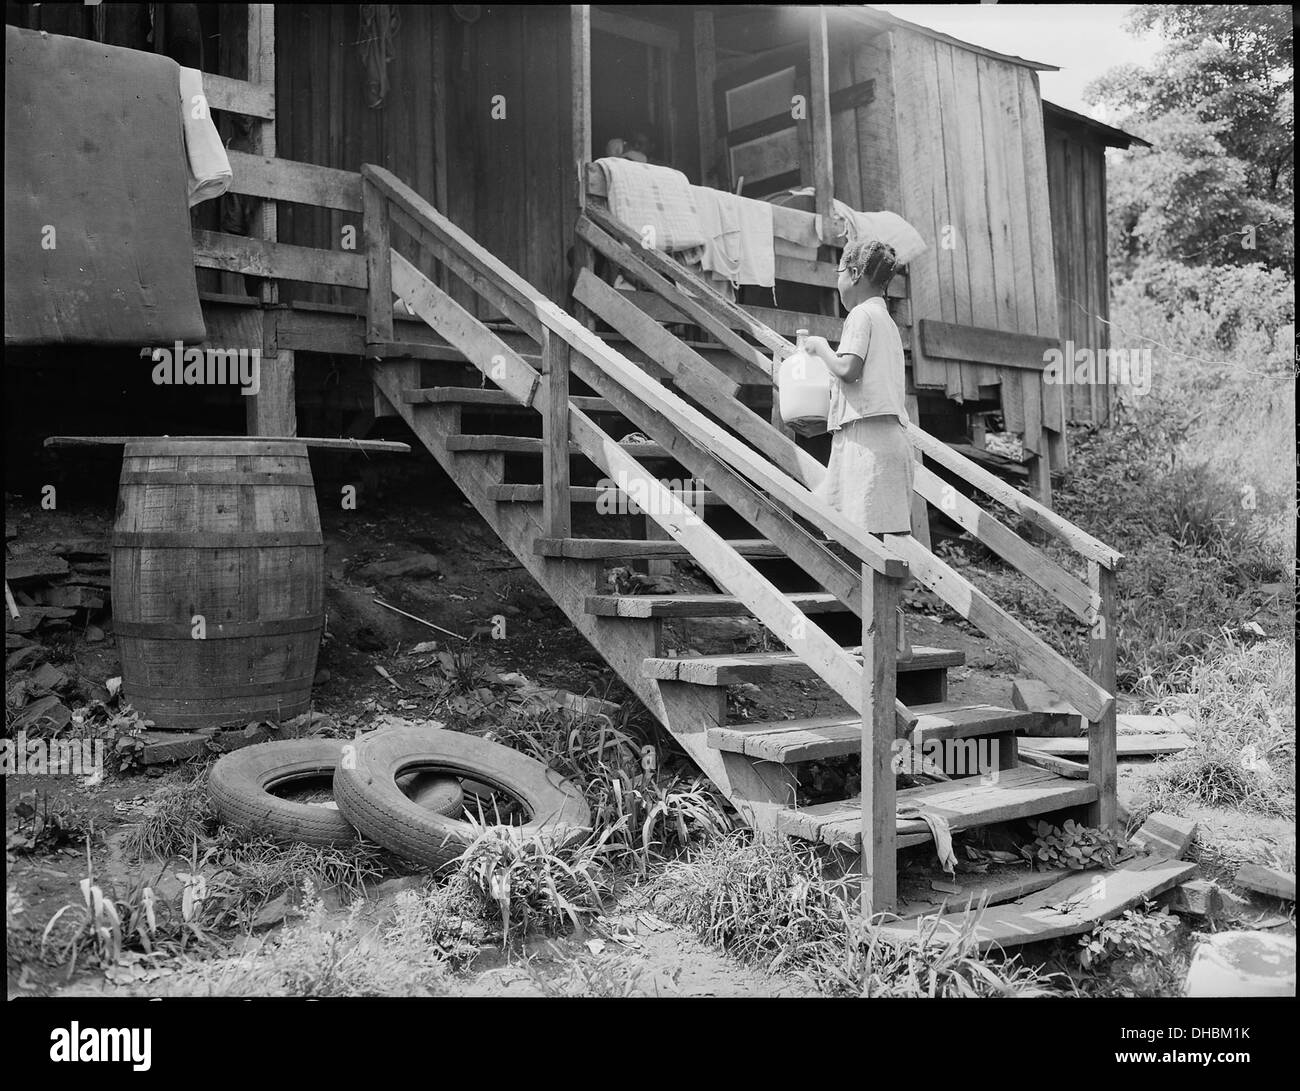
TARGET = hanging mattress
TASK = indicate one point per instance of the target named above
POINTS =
(97, 227)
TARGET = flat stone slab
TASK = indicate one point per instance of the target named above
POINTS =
(1243, 964)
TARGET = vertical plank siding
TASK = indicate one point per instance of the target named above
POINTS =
(505, 179)
(1077, 178)
(972, 159)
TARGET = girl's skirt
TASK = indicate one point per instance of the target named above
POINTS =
(869, 477)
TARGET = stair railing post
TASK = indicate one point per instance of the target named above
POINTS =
(555, 435)
(379, 263)
(1102, 758)
(879, 864)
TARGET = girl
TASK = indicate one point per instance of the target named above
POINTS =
(869, 478)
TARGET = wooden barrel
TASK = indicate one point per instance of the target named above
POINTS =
(217, 580)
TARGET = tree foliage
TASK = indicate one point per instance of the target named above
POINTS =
(1216, 187)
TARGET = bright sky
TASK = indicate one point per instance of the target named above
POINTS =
(1084, 40)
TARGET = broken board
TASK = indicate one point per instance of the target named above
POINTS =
(1076, 904)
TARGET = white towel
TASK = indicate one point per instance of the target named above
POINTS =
(655, 202)
(209, 166)
(886, 227)
(738, 244)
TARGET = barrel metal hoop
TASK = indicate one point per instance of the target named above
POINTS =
(285, 686)
(172, 539)
(229, 477)
(218, 630)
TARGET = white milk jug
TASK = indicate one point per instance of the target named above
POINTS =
(804, 385)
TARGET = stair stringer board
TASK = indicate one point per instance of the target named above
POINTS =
(757, 791)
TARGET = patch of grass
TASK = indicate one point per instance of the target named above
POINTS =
(607, 976)
(643, 808)
(776, 905)
(251, 873)
(180, 816)
(1242, 699)
(318, 957)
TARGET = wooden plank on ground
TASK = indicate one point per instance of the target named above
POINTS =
(1267, 880)
(1075, 904)
(982, 890)
(1166, 835)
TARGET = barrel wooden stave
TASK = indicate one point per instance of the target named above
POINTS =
(244, 554)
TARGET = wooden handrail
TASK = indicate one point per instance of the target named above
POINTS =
(666, 276)
(523, 299)
(1027, 508)
(509, 371)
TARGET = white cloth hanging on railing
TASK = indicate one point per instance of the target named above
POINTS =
(209, 166)
(738, 231)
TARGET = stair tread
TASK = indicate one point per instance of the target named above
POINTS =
(594, 548)
(535, 445)
(726, 670)
(532, 494)
(475, 395)
(1015, 793)
(819, 737)
(815, 602)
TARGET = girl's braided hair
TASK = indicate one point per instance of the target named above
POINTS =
(872, 259)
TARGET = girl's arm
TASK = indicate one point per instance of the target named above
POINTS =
(848, 367)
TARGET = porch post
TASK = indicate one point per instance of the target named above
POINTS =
(879, 649)
(820, 86)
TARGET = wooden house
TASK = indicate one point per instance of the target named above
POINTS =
(443, 154)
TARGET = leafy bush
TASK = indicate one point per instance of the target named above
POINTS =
(534, 880)
(1193, 554)
(1072, 846)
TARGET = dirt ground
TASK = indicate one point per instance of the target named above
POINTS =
(446, 566)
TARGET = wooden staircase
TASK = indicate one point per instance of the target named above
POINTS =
(756, 475)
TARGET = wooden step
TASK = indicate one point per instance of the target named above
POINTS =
(589, 549)
(1126, 746)
(585, 494)
(814, 602)
(819, 737)
(533, 445)
(728, 670)
(966, 803)
(1073, 904)
(489, 396)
